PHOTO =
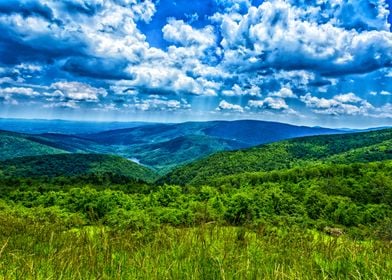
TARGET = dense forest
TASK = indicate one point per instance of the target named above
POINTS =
(299, 152)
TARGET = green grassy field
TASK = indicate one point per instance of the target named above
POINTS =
(36, 251)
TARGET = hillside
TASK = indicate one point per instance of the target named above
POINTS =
(69, 165)
(38, 126)
(159, 146)
(180, 150)
(164, 146)
(18, 145)
(70, 143)
(344, 148)
(251, 132)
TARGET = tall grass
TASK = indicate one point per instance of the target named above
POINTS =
(36, 251)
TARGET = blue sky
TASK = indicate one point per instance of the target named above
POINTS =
(311, 62)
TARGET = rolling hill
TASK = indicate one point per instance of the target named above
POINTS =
(165, 155)
(38, 126)
(18, 145)
(69, 165)
(344, 148)
(249, 132)
(159, 146)
(164, 146)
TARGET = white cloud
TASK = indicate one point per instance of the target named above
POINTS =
(18, 91)
(179, 32)
(384, 92)
(156, 103)
(166, 78)
(347, 98)
(77, 91)
(384, 111)
(343, 104)
(226, 106)
(284, 92)
(71, 104)
(282, 36)
(269, 103)
(237, 90)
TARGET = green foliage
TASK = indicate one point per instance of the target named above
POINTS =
(74, 165)
(344, 195)
(163, 156)
(345, 148)
(30, 250)
(17, 145)
(262, 213)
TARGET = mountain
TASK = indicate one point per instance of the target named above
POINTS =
(18, 145)
(163, 146)
(70, 143)
(249, 132)
(304, 151)
(38, 126)
(69, 165)
(167, 154)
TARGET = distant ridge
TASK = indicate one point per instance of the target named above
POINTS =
(344, 148)
(69, 165)
(158, 146)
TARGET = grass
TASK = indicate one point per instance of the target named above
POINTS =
(43, 251)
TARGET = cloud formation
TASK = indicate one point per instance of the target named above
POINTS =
(317, 58)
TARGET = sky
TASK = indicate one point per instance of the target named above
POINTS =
(308, 62)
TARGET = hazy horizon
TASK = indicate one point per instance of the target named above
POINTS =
(2, 119)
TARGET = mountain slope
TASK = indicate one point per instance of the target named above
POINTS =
(164, 146)
(255, 132)
(180, 150)
(18, 145)
(251, 132)
(344, 148)
(69, 165)
(38, 126)
(70, 143)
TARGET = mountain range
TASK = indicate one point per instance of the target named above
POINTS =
(158, 146)
(188, 153)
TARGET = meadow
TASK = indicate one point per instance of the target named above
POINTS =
(36, 251)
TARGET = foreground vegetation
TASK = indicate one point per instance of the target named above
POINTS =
(37, 251)
(327, 222)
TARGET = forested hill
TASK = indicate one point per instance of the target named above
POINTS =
(69, 165)
(249, 132)
(18, 145)
(342, 148)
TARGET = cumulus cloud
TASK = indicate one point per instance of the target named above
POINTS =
(284, 92)
(77, 91)
(179, 32)
(237, 90)
(347, 98)
(269, 103)
(156, 103)
(343, 104)
(70, 104)
(18, 91)
(79, 53)
(12, 95)
(281, 35)
(226, 106)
